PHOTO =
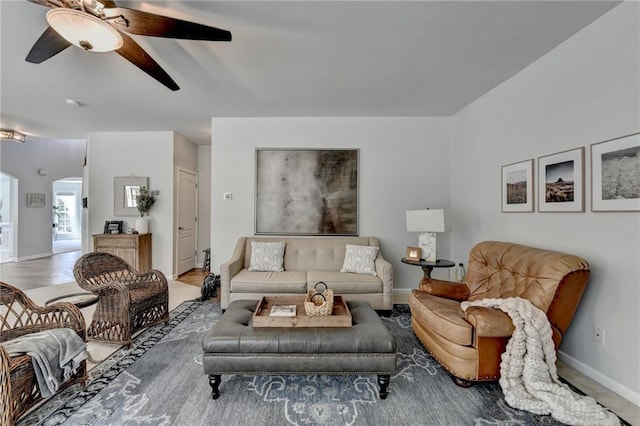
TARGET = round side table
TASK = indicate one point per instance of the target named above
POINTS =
(427, 267)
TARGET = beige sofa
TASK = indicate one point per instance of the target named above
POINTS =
(307, 260)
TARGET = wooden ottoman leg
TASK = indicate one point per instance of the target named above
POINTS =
(214, 382)
(383, 381)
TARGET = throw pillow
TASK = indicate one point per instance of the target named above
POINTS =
(360, 259)
(267, 256)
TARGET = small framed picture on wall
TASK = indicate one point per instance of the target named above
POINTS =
(615, 174)
(517, 187)
(561, 182)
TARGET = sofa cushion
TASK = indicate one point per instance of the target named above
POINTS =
(269, 282)
(345, 283)
(267, 256)
(360, 259)
(443, 316)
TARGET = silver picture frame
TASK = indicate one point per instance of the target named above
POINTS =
(124, 192)
(615, 180)
(518, 187)
(561, 182)
(306, 191)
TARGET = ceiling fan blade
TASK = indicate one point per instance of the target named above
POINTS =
(135, 54)
(149, 24)
(49, 44)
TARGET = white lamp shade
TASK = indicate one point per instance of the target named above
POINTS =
(431, 220)
(84, 30)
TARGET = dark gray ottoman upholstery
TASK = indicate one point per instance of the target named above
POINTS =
(233, 346)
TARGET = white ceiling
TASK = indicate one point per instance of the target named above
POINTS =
(287, 58)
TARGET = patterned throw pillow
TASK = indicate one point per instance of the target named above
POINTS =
(267, 256)
(360, 259)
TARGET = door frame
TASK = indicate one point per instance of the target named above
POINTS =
(176, 233)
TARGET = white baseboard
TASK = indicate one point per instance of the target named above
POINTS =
(401, 295)
(605, 381)
(34, 256)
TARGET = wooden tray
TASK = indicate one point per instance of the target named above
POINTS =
(341, 316)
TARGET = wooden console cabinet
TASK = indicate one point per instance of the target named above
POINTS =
(133, 248)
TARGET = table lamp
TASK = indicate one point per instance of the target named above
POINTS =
(427, 222)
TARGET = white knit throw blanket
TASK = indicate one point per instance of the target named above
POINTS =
(528, 374)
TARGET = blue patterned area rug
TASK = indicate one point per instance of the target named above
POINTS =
(159, 380)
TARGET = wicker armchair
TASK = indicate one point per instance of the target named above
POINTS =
(19, 316)
(128, 300)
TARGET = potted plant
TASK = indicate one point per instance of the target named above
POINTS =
(144, 202)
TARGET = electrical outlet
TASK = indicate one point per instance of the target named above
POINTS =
(598, 334)
(227, 196)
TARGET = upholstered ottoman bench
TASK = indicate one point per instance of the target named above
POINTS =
(234, 346)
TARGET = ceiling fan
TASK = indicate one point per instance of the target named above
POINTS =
(100, 26)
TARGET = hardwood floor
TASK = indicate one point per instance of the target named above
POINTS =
(41, 272)
(194, 277)
(58, 269)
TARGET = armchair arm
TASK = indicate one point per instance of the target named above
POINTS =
(6, 408)
(489, 322)
(151, 278)
(446, 289)
(112, 292)
(58, 315)
(384, 269)
(230, 268)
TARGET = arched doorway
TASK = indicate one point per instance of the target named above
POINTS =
(66, 215)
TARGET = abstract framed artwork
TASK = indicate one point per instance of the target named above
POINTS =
(615, 174)
(561, 182)
(306, 191)
(517, 187)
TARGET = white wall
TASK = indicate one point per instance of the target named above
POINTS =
(583, 92)
(150, 154)
(61, 159)
(204, 200)
(404, 165)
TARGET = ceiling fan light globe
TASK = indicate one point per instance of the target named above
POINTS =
(84, 30)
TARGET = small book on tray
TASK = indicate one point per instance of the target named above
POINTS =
(283, 311)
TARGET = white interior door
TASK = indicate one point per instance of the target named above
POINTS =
(187, 187)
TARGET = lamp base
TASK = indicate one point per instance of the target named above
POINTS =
(427, 242)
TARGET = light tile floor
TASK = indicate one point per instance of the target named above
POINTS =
(46, 278)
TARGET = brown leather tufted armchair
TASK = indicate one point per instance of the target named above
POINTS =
(469, 343)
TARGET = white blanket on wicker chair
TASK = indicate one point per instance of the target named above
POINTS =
(528, 374)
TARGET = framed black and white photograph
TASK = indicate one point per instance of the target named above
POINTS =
(615, 174)
(113, 226)
(35, 199)
(306, 191)
(561, 182)
(517, 187)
